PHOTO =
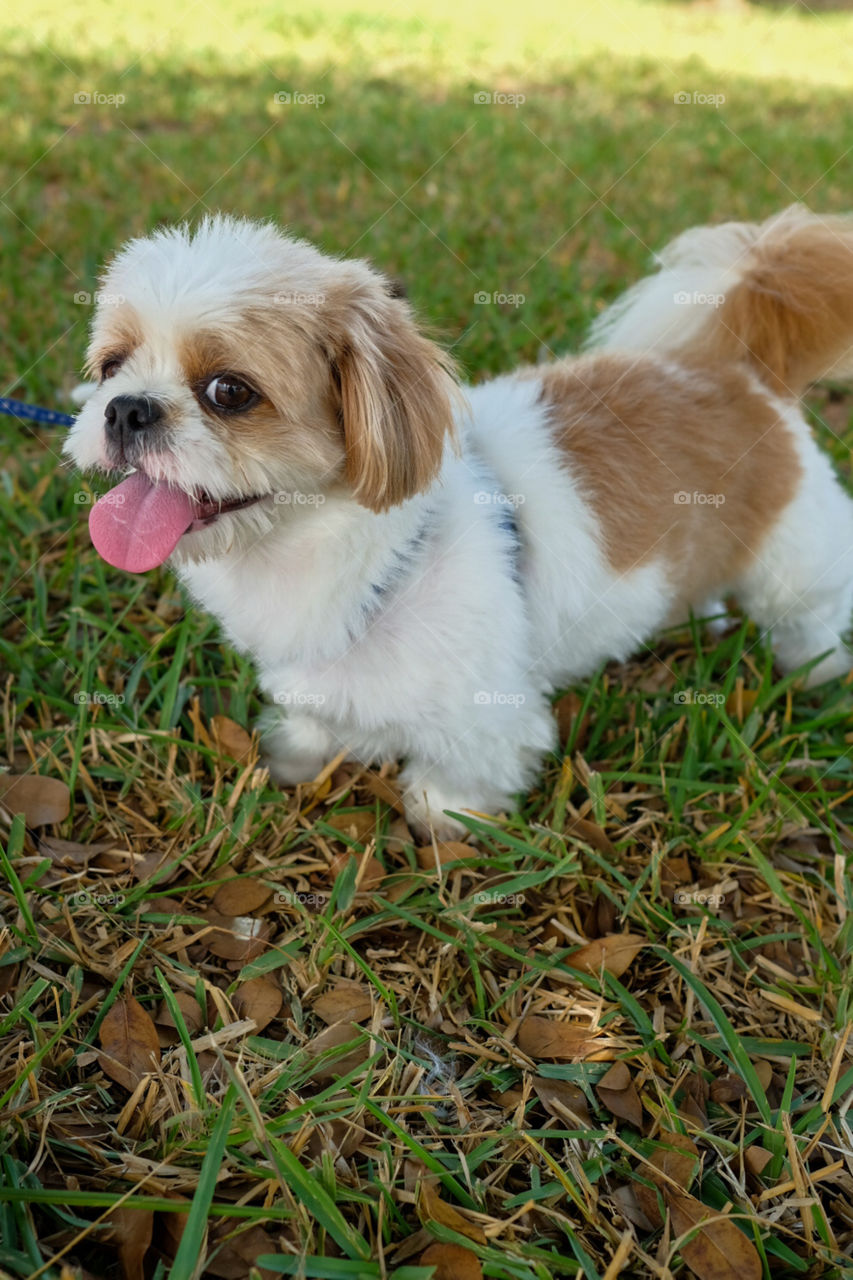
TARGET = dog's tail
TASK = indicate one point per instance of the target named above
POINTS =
(777, 294)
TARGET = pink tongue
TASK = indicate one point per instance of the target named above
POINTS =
(138, 524)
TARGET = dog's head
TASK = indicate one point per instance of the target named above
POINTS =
(241, 372)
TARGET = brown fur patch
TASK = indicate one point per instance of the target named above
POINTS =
(294, 420)
(637, 433)
(791, 314)
(125, 335)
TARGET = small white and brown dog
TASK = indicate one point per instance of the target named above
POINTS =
(415, 569)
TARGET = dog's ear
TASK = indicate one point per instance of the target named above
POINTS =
(394, 390)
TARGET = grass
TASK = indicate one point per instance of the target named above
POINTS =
(347, 1129)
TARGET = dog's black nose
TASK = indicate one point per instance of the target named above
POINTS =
(125, 414)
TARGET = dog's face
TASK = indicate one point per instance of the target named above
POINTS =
(240, 370)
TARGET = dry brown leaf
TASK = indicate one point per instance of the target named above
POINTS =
(335, 1037)
(616, 1090)
(590, 833)
(131, 1231)
(764, 1071)
(370, 877)
(359, 825)
(190, 1012)
(130, 1048)
(234, 1257)
(384, 789)
(346, 1000)
(231, 739)
(545, 1038)
(740, 702)
(448, 851)
(241, 897)
(614, 954)
(41, 800)
(567, 709)
(719, 1250)
(727, 1088)
(561, 1098)
(259, 999)
(431, 1207)
(241, 938)
(452, 1262)
(68, 853)
(673, 1164)
(756, 1159)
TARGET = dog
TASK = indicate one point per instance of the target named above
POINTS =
(415, 568)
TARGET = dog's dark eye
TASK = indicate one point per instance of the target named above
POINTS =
(228, 392)
(109, 367)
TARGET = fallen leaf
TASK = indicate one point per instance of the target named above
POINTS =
(764, 1071)
(590, 833)
(346, 1000)
(68, 853)
(614, 954)
(233, 1258)
(188, 1005)
(358, 825)
(756, 1159)
(41, 800)
(130, 1048)
(258, 999)
(241, 897)
(431, 1207)
(718, 1250)
(452, 1262)
(544, 1038)
(335, 1037)
(564, 1100)
(371, 874)
(384, 789)
(236, 937)
(131, 1231)
(617, 1091)
(740, 701)
(673, 1164)
(230, 738)
(567, 709)
(447, 851)
(727, 1088)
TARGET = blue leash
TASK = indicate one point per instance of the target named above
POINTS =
(34, 413)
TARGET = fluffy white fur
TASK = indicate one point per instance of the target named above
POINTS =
(424, 632)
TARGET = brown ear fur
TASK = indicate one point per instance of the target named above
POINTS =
(396, 391)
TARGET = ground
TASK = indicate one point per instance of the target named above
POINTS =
(610, 1036)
